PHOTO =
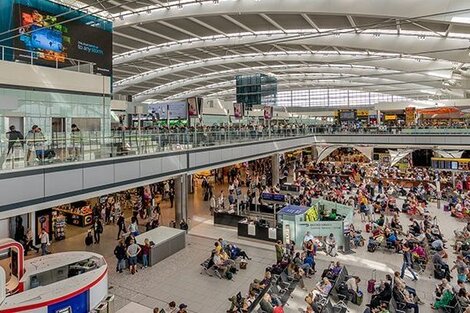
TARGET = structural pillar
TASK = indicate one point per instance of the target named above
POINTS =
(275, 168)
(314, 153)
(181, 198)
(379, 121)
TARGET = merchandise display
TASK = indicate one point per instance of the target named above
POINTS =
(79, 216)
(58, 225)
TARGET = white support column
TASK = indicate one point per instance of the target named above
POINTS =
(181, 198)
(314, 153)
(275, 168)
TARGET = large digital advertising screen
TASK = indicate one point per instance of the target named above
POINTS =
(176, 110)
(61, 40)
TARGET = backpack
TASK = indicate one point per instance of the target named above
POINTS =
(229, 275)
(371, 247)
(342, 289)
(88, 240)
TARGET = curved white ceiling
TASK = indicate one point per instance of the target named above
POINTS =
(163, 49)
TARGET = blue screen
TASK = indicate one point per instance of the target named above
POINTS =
(77, 304)
(47, 39)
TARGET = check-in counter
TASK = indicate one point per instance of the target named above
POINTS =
(227, 219)
(255, 231)
(166, 241)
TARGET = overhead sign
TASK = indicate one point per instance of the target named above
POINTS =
(274, 197)
(293, 210)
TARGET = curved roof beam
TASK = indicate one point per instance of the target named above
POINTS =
(284, 69)
(228, 89)
(350, 83)
(430, 10)
(391, 61)
(406, 42)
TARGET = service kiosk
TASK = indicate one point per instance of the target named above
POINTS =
(321, 219)
(67, 282)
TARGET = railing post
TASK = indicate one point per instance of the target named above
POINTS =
(3, 53)
(31, 54)
(79, 66)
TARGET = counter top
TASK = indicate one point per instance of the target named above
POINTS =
(44, 295)
(47, 262)
(159, 235)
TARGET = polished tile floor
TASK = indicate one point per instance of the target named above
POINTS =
(178, 278)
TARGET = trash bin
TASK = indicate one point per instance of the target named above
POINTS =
(110, 300)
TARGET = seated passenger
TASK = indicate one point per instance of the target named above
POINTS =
(298, 261)
(401, 297)
(381, 220)
(219, 263)
(322, 288)
(236, 252)
(332, 271)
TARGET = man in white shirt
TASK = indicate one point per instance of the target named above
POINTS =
(353, 288)
(308, 237)
(44, 237)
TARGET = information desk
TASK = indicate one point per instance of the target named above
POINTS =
(166, 242)
(255, 231)
(77, 219)
(61, 282)
(227, 219)
(297, 221)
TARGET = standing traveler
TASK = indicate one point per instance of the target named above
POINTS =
(120, 254)
(13, 136)
(121, 223)
(407, 262)
(182, 308)
(279, 251)
(29, 242)
(133, 228)
(212, 205)
(97, 229)
(132, 252)
(30, 143)
(44, 238)
(76, 143)
(172, 307)
(171, 195)
(145, 253)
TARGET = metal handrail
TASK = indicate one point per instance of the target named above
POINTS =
(31, 53)
(88, 146)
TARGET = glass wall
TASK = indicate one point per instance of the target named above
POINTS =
(54, 112)
(332, 97)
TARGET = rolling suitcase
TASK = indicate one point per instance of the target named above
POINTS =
(368, 227)
(371, 282)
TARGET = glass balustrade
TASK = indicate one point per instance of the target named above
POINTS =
(87, 146)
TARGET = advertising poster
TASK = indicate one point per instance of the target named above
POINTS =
(76, 304)
(410, 116)
(192, 107)
(43, 221)
(238, 110)
(59, 43)
(268, 112)
(173, 110)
